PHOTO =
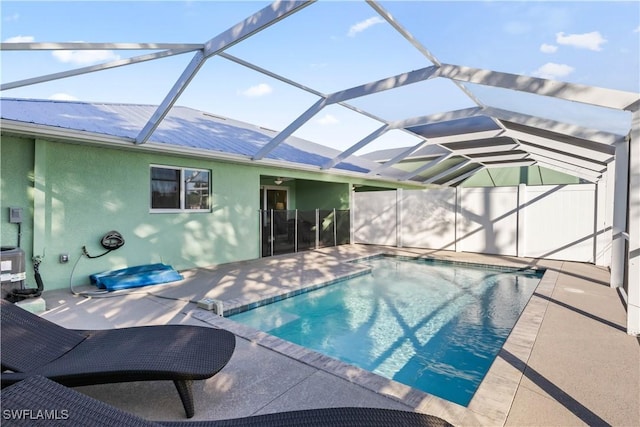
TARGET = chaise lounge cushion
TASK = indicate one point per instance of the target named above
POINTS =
(31, 345)
(38, 401)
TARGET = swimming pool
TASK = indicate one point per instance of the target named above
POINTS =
(431, 325)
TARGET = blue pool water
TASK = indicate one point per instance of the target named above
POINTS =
(433, 326)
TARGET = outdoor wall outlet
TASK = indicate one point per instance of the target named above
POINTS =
(64, 258)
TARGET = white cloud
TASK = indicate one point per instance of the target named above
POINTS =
(551, 70)
(20, 39)
(548, 48)
(12, 18)
(363, 25)
(257, 90)
(84, 57)
(637, 30)
(328, 119)
(591, 41)
(62, 97)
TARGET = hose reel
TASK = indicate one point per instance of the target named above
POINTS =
(111, 241)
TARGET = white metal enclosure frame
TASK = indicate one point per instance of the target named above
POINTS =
(586, 153)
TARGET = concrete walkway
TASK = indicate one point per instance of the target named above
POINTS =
(568, 360)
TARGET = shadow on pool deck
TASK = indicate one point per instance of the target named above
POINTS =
(568, 360)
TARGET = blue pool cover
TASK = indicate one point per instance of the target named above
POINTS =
(134, 277)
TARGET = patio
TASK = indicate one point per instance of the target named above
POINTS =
(575, 324)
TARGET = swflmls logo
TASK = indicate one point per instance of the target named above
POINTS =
(31, 414)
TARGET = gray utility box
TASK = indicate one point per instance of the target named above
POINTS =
(12, 269)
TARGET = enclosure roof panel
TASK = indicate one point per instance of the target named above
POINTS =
(417, 84)
(183, 127)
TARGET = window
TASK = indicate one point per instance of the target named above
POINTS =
(179, 189)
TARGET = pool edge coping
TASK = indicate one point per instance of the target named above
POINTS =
(494, 396)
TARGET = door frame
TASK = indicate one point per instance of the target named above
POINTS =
(263, 190)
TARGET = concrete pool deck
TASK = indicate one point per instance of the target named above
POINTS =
(568, 360)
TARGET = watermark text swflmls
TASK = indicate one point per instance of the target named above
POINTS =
(35, 414)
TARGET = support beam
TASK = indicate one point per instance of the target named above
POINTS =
(464, 176)
(601, 97)
(489, 146)
(392, 82)
(561, 167)
(501, 156)
(267, 16)
(180, 85)
(619, 226)
(598, 152)
(447, 172)
(363, 142)
(250, 26)
(400, 29)
(398, 158)
(426, 166)
(345, 95)
(271, 74)
(463, 137)
(98, 46)
(289, 130)
(92, 68)
(438, 118)
(512, 163)
(569, 159)
(431, 57)
(552, 126)
(633, 227)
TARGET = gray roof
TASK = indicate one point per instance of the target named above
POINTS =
(183, 127)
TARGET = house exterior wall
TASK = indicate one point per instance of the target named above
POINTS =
(512, 176)
(72, 194)
(318, 195)
(16, 190)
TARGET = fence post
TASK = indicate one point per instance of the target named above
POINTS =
(600, 221)
(352, 205)
(521, 208)
(399, 218)
(317, 228)
(295, 232)
(458, 207)
(633, 228)
(271, 232)
(620, 208)
(335, 228)
(260, 232)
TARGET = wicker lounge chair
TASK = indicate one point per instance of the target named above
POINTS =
(32, 345)
(39, 401)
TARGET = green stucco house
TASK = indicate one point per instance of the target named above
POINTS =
(189, 197)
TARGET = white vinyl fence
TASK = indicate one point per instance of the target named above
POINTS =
(555, 222)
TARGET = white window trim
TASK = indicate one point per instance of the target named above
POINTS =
(182, 207)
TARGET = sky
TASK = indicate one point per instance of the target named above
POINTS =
(331, 46)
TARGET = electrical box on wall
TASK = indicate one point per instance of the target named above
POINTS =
(15, 215)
